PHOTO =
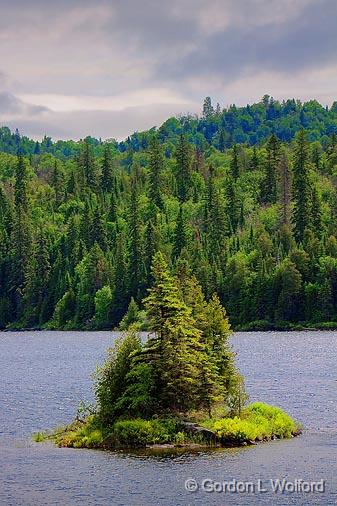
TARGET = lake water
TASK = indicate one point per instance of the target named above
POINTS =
(45, 374)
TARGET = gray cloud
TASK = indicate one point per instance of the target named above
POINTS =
(184, 49)
(10, 104)
(105, 124)
(292, 45)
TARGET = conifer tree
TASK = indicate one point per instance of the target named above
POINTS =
(22, 237)
(284, 188)
(179, 242)
(176, 351)
(156, 164)
(269, 185)
(112, 216)
(136, 265)
(183, 169)
(207, 110)
(107, 176)
(98, 233)
(234, 164)
(254, 162)
(222, 141)
(214, 217)
(231, 205)
(301, 187)
(87, 165)
(58, 184)
(120, 281)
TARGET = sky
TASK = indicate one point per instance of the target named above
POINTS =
(71, 68)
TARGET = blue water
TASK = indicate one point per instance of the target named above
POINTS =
(45, 374)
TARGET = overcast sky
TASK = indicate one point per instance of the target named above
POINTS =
(69, 68)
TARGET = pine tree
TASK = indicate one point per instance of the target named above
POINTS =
(136, 265)
(231, 205)
(315, 212)
(120, 293)
(301, 187)
(21, 237)
(156, 165)
(254, 162)
(183, 169)
(112, 214)
(179, 241)
(87, 165)
(222, 141)
(269, 185)
(98, 233)
(214, 218)
(20, 189)
(234, 164)
(284, 188)
(107, 175)
(36, 286)
(207, 110)
(58, 184)
(175, 351)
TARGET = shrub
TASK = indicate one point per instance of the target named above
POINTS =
(140, 432)
(258, 421)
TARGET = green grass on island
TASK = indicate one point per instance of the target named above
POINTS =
(258, 422)
(180, 386)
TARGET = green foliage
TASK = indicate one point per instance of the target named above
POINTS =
(103, 305)
(185, 364)
(140, 432)
(255, 224)
(259, 421)
(111, 379)
(133, 317)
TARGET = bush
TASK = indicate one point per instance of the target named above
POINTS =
(140, 432)
(258, 421)
(123, 433)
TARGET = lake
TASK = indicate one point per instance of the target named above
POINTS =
(45, 374)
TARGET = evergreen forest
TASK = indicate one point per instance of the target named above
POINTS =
(242, 200)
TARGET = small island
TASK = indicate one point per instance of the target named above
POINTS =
(178, 388)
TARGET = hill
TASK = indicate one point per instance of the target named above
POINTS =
(243, 198)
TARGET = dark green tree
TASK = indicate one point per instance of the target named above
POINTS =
(301, 187)
(156, 165)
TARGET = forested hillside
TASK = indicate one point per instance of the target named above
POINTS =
(244, 198)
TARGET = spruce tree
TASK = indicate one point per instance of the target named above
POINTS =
(284, 188)
(176, 352)
(156, 165)
(136, 265)
(179, 241)
(234, 164)
(87, 165)
(183, 169)
(269, 184)
(301, 187)
(21, 237)
(107, 175)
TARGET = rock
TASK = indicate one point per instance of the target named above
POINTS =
(194, 428)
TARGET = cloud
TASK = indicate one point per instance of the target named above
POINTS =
(105, 124)
(79, 61)
(306, 39)
(13, 106)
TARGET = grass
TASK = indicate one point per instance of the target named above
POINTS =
(257, 422)
(122, 434)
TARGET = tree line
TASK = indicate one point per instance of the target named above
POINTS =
(256, 225)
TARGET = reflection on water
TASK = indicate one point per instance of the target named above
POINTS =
(44, 374)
